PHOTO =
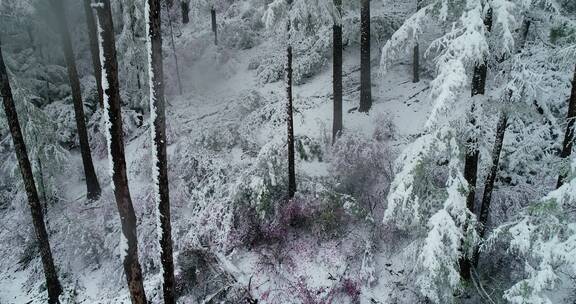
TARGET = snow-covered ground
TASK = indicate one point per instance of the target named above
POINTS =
(315, 269)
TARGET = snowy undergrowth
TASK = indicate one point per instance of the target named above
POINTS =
(227, 163)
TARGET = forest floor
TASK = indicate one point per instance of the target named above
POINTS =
(208, 102)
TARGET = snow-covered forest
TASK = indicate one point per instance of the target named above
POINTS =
(288, 151)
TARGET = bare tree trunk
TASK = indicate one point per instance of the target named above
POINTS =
(160, 159)
(569, 136)
(365, 66)
(416, 64)
(173, 45)
(289, 113)
(92, 185)
(52, 284)
(42, 185)
(472, 153)
(214, 25)
(416, 57)
(93, 37)
(185, 8)
(116, 150)
(337, 72)
(490, 179)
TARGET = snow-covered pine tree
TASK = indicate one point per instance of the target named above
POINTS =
(52, 283)
(92, 185)
(450, 236)
(116, 157)
(544, 237)
(132, 57)
(415, 200)
(159, 154)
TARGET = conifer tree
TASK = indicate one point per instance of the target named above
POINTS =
(160, 159)
(52, 283)
(92, 185)
(113, 116)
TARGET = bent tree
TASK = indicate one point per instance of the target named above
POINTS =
(113, 116)
(52, 284)
(159, 157)
(92, 185)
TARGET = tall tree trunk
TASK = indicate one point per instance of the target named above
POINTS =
(52, 284)
(569, 135)
(490, 179)
(42, 185)
(93, 37)
(289, 112)
(365, 68)
(416, 56)
(185, 8)
(173, 45)
(116, 153)
(92, 185)
(214, 25)
(160, 159)
(472, 153)
(416, 64)
(337, 72)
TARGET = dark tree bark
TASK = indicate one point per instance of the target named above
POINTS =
(337, 72)
(94, 50)
(569, 135)
(52, 284)
(289, 113)
(416, 64)
(214, 25)
(160, 169)
(491, 178)
(472, 153)
(365, 67)
(416, 56)
(92, 185)
(116, 147)
(185, 8)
